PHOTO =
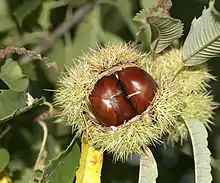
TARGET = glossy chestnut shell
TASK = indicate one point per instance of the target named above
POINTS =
(114, 101)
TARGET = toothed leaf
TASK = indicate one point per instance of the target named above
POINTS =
(201, 152)
(141, 16)
(203, 40)
(148, 168)
(168, 29)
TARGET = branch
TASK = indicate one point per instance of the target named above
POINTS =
(30, 54)
(62, 29)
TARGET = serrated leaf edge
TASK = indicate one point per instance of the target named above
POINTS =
(203, 46)
(155, 43)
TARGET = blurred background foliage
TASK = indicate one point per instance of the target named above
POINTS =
(62, 30)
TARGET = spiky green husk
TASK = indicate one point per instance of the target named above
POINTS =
(180, 96)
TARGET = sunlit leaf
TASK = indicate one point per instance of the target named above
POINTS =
(63, 168)
(148, 168)
(11, 75)
(201, 152)
(4, 158)
(203, 40)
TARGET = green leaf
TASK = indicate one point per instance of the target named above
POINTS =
(11, 74)
(64, 167)
(148, 168)
(141, 16)
(203, 40)
(29, 69)
(144, 33)
(10, 103)
(201, 152)
(168, 29)
(6, 21)
(25, 9)
(164, 28)
(4, 158)
(15, 103)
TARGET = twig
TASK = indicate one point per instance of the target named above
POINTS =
(46, 114)
(63, 28)
(31, 54)
(40, 155)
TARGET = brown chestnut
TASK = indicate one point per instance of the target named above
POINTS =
(109, 104)
(139, 86)
(113, 101)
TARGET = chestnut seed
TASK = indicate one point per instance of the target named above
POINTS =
(139, 86)
(109, 104)
(115, 101)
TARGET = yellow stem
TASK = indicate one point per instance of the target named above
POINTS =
(90, 163)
